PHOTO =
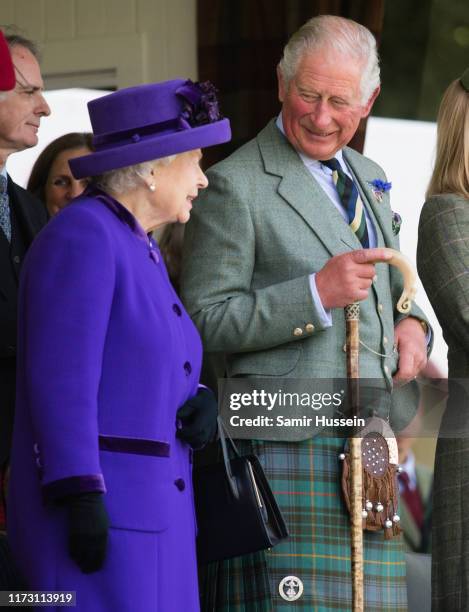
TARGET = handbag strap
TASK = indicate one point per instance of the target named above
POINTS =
(223, 435)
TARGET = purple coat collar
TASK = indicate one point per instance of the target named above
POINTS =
(127, 217)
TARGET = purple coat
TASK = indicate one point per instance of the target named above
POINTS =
(107, 354)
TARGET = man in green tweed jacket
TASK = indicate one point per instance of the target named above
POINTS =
(270, 261)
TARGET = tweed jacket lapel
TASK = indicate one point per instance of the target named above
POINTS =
(299, 189)
(381, 210)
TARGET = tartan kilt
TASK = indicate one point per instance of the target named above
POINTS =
(305, 478)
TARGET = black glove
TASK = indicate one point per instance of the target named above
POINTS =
(198, 419)
(88, 525)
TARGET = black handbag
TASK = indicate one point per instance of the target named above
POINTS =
(236, 511)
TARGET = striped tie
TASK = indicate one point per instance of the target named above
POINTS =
(5, 222)
(348, 194)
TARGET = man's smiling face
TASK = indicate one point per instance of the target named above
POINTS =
(322, 103)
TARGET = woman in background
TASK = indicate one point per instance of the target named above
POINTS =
(51, 179)
(443, 265)
(109, 405)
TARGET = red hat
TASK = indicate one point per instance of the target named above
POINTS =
(7, 72)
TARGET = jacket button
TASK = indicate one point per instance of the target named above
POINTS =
(380, 307)
(187, 368)
(297, 331)
(17, 259)
(177, 309)
(180, 484)
(309, 327)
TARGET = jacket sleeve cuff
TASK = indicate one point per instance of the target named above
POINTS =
(57, 489)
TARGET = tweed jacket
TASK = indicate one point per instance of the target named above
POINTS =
(256, 234)
(443, 265)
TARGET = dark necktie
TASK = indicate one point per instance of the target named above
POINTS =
(412, 499)
(348, 194)
(5, 221)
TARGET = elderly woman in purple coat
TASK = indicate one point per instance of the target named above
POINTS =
(109, 403)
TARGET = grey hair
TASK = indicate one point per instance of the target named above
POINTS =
(340, 34)
(16, 40)
(128, 178)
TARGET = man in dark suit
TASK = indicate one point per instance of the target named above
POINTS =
(21, 218)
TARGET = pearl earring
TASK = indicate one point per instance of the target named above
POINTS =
(152, 187)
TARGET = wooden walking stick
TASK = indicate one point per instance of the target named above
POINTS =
(352, 321)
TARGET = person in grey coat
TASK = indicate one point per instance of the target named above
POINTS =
(443, 264)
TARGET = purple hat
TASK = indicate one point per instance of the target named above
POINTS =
(147, 122)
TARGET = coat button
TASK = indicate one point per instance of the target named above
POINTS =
(385, 340)
(380, 307)
(187, 368)
(297, 331)
(177, 309)
(180, 484)
(17, 259)
(309, 327)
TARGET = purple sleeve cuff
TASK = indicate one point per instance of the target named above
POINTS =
(73, 485)
(200, 386)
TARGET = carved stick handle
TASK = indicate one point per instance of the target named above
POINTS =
(409, 275)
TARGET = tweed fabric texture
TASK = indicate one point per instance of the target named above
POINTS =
(443, 266)
(306, 482)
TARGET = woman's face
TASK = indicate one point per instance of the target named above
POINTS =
(61, 186)
(177, 185)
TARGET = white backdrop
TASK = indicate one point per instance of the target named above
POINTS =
(405, 149)
(69, 113)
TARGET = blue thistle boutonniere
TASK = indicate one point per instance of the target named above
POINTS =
(379, 188)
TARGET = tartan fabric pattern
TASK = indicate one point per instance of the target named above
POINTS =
(443, 266)
(306, 482)
(348, 194)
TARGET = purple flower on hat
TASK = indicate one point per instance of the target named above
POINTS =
(379, 188)
(200, 104)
